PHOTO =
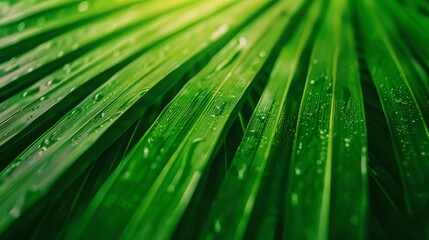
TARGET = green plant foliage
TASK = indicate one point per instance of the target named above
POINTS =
(191, 119)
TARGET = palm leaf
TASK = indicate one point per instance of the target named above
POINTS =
(330, 150)
(218, 119)
(271, 123)
(221, 87)
(402, 104)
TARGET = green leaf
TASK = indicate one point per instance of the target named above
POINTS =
(15, 72)
(178, 147)
(327, 191)
(272, 122)
(58, 149)
(402, 108)
(214, 119)
(75, 78)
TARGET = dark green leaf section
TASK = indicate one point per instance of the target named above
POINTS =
(272, 123)
(403, 97)
(327, 188)
(159, 119)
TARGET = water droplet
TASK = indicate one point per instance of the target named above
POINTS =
(312, 82)
(145, 152)
(75, 141)
(217, 226)
(126, 175)
(329, 86)
(83, 6)
(242, 172)
(15, 212)
(98, 97)
(315, 61)
(219, 32)
(31, 92)
(218, 108)
(74, 112)
(262, 54)
(242, 42)
(48, 142)
(21, 26)
(171, 188)
(40, 21)
(294, 199)
(67, 68)
(347, 142)
(297, 171)
(194, 142)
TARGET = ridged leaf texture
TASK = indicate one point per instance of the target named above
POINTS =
(191, 119)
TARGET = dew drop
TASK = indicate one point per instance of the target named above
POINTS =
(21, 26)
(15, 212)
(294, 199)
(31, 92)
(171, 188)
(219, 32)
(75, 112)
(347, 142)
(297, 171)
(241, 173)
(218, 108)
(242, 42)
(40, 21)
(83, 6)
(98, 97)
(217, 226)
(145, 152)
